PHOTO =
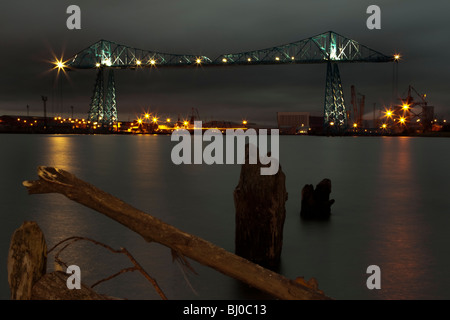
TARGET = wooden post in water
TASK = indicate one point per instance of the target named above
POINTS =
(316, 204)
(259, 202)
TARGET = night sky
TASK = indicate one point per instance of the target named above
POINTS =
(34, 32)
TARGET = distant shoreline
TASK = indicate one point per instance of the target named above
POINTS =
(438, 134)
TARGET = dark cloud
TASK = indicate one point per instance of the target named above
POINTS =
(32, 31)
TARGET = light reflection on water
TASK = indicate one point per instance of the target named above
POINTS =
(401, 241)
(391, 210)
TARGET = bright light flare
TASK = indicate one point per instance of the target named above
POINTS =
(388, 113)
(402, 120)
(244, 122)
(396, 57)
(405, 106)
(60, 65)
(155, 119)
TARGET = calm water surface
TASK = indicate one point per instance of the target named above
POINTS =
(392, 210)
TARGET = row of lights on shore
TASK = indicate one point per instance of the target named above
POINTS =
(147, 117)
(389, 114)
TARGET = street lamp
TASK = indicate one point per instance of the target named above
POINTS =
(44, 99)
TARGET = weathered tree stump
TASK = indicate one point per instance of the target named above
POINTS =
(27, 260)
(316, 204)
(259, 202)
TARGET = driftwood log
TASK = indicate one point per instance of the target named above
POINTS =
(54, 180)
(27, 267)
(316, 204)
(27, 260)
(259, 202)
(53, 286)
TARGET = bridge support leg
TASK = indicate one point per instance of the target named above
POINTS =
(110, 107)
(103, 108)
(96, 112)
(335, 114)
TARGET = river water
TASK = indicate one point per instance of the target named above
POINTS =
(392, 210)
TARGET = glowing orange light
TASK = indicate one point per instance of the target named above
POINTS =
(244, 122)
(402, 120)
(389, 113)
(59, 64)
(405, 106)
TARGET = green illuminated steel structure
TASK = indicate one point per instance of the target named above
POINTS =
(96, 109)
(110, 109)
(329, 47)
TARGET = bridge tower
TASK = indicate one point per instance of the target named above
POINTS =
(103, 107)
(334, 114)
(110, 109)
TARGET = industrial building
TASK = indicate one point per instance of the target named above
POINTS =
(299, 123)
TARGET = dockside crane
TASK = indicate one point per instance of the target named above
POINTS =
(426, 114)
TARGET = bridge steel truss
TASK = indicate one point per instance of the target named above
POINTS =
(329, 47)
